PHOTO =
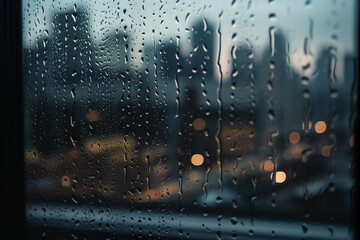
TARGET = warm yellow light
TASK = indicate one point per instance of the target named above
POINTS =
(326, 150)
(309, 125)
(199, 124)
(352, 141)
(197, 159)
(93, 116)
(65, 181)
(280, 176)
(294, 137)
(320, 127)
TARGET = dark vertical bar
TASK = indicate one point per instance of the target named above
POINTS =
(355, 173)
(11, 107)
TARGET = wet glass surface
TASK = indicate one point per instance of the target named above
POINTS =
(200, 120)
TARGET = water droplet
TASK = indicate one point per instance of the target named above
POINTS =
(272, 16)
(234, 220)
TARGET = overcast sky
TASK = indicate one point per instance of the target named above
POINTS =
(333, 22)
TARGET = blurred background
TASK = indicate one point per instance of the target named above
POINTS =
(189, 120)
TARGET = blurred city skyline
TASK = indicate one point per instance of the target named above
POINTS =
(238, 110)
(68, 67)
(156, 22)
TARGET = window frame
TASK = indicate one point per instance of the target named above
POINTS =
(12, 121)
(12, 157)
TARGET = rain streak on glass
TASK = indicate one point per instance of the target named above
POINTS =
(190, 120)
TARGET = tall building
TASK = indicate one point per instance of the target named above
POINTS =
(201, 61)
(71, 48)
(113, 53)
(277, 93)
(238, 90)
(167, 62)
(58, 79)
(344, 101)
(320, 88)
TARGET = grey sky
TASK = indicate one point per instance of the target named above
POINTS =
(333, 22)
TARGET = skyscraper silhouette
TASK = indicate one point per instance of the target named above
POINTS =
(200, 64)
(273, 84)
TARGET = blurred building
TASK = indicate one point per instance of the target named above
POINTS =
(201, 61)
(279, 101)
(71, 48)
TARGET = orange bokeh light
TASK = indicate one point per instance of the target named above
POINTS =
(65, 181)
(197, 159)
(320, 127)
(352, 141)
(268, 166)
(294, 137)
(326, 150)
(280, 176)
(199, 124)
(309, 125)
(93, 116)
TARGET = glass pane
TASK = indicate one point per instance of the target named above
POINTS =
(189, 119)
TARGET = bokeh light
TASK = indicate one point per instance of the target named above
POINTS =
(93, 116)
(65, 181)
(280, 177)
(199, 124)
(197, 159)
(352, 141)
(326, 150)
(309, 125)
(320, 127)
(294, 137)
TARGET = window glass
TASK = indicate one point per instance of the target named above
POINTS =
(189, 119)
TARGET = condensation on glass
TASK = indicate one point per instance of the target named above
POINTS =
(189, 119)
